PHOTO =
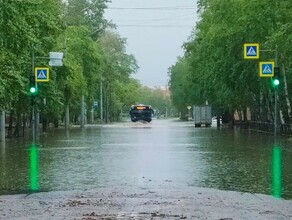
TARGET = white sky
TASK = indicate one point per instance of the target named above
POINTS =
(154, 34)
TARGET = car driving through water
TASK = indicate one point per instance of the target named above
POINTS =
(141, 112)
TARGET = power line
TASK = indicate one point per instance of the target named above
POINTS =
(153, 25)
(188, 16)
(156, 8)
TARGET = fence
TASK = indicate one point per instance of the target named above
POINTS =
(266, 127)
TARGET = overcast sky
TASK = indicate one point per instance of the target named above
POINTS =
(155, 31)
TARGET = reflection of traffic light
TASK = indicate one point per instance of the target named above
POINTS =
(33, 171)
(276, 78)
(32, 86)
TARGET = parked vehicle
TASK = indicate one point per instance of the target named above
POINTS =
(202, 115)
(141, 112)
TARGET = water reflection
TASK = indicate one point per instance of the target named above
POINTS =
(276, 172)
(33, 168)
(239, 161)
(167, 154)
(2, 149)
(67, 131)
(3, 160)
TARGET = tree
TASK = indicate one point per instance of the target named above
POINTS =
(117, 67)
(214, 55)
(22, 28)
(87, 13)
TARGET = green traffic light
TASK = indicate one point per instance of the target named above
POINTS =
(276, 82)
(32, 86)
(32, 90)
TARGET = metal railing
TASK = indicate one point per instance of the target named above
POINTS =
(265, 127)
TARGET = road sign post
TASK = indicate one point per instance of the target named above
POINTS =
(41, 74)
(276, 97)
(266, 69)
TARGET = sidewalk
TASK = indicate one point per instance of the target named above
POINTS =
(145, 203)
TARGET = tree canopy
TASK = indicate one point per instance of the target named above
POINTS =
(94, 54)
(213, 69)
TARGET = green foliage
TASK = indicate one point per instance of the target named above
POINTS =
(158, 98)
(31, 29)
(25, 28)
(115, 71)
(87, 13)
(183, 84)
(213, 67)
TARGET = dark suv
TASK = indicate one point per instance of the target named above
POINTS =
(141, 112)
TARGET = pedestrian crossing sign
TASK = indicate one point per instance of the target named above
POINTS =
(251, 51)
(266, 69)
(41, 74)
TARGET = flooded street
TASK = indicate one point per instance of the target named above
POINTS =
(163, 154)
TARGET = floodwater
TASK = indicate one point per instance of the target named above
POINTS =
(161, 154)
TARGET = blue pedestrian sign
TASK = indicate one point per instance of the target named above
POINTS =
(266, 69)
(251, 51)
(41, 74)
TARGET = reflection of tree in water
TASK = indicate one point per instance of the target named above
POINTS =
(234, 164)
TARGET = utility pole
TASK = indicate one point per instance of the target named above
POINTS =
(276, 96)
(101, 102)
(33, 106)
(2, 126)
(82, 118)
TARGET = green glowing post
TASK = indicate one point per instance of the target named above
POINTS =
(276, 172)
(33, 168)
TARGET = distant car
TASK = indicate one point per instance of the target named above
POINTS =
(141, 112)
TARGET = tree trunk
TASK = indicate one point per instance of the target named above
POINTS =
(286, 93)
(10, 125)
(2, 128)
(245, 114)
(82, 123)
(67, 116)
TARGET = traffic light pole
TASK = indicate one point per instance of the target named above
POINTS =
(275, 94)
(33, 106)
(55, 60)
(33, 122)
(275, 120)
(276, 98)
